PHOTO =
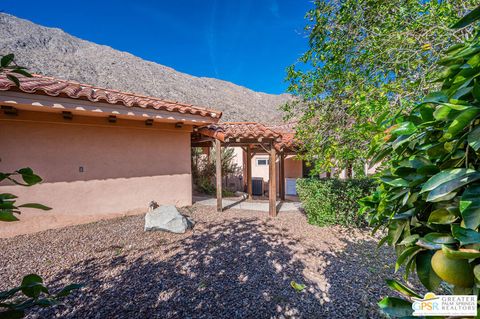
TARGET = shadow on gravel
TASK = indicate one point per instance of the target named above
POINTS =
(356, 277)
(232, 269)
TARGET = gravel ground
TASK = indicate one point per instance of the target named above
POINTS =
(236, 264)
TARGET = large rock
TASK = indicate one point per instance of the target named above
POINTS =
(167, 218)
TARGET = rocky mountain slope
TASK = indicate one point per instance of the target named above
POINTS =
(53, 52)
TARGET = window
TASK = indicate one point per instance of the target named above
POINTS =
(262, 161)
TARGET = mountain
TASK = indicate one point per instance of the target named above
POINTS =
(53, 52)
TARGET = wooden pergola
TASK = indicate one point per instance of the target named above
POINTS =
(253, 138)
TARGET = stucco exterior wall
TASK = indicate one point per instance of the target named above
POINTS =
(124, 168)
(260, 170)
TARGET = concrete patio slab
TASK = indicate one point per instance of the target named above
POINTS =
(244, 204)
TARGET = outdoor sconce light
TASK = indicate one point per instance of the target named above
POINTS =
(9, 110)
(149, 122)
(112, 119)
(67, 115)
(179, 125)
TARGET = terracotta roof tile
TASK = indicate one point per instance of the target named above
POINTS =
(283, 136)
(39, 84)
(238, 130)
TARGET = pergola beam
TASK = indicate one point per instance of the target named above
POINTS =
(281, 177)
(272, 187)
(249, 172)
(218, 173)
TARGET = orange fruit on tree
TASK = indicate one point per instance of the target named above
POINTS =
(457, 272)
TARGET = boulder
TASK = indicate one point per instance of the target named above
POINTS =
(167, 218)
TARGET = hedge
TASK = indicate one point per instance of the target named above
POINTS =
(333, 201)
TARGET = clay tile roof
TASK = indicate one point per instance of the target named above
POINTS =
(39, 84)
(238, 130)
(287, 132)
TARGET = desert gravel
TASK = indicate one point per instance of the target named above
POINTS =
(235, 264)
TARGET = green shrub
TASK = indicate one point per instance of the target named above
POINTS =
(333, 201)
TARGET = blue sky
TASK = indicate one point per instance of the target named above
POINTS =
(247, 42)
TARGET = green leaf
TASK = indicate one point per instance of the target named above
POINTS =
(406, 255)
(28, 176)
(405, 215)
(398, 182)
(7, 216)
(473, 16)
(379, 156)
(409, 239)
(442, 216)
(446, 181)
(14, 79)
(4, 176)
(395, 307)
(474, 138)
(470, 206)
(22, 72)
(445, 176)
(462, 253)
(465, 236)
(6, 60)
(7, 294)
(67, 290)
(36, 206)
(439, 238)
(7, 205)
(404, 290)
(32, 286)
(5, 196)
(395, 230)
(436, 97)
(461, 122)
(434, 241)
(405, 128)
(31, 279)
(298, 287)
(425, 273)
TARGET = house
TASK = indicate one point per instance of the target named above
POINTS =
(294, 168)
(100, 152)
(104, 153)
(254, 139)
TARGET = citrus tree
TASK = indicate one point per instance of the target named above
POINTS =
(428, 199)
(367, 59)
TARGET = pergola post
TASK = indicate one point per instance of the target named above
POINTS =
(218, 173)
(281, 177)
(272, 196)
(249, 172)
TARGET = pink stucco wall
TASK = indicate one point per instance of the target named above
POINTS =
(124, 168)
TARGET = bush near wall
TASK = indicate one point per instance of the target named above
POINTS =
(333, 201)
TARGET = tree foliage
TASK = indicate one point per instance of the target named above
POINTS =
(429, 196)
(368, 59)
(203, 168)
(8, 206)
